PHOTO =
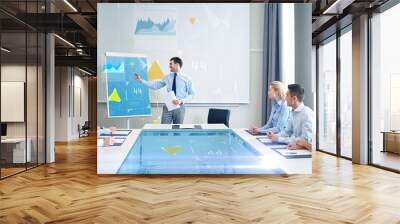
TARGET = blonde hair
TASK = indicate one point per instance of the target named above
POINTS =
(279, 88)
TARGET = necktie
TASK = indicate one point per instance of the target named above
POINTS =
(174, 84)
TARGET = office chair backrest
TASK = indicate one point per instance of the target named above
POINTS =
(86, 125)
(218, 116)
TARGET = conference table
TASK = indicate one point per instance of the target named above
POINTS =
(111, 159)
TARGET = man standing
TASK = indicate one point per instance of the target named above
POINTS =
(179, 84)
(299, 132)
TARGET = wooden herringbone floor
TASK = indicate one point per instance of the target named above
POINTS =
(70, 191)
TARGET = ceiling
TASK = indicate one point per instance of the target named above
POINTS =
(76, 21)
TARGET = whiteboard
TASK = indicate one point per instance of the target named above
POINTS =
(12, 101)
(126, 96)
(213, 40)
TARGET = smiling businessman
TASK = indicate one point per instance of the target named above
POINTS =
(177, 82)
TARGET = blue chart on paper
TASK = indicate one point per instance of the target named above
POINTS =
(149, 27)
(126, 97)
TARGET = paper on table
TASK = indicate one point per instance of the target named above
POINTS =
(294, 152)
(118, 140)
(265, 140)
(121, 132)
(277, 147)
(168, 101)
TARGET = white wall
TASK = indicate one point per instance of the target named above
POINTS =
(67, 116)
(80, 83)
(288, 35)
(61, 104)
(241, 115)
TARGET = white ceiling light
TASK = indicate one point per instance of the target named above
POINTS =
(84, 71)
(70, 5)
(5, 50)
(337, 7)
(65, 41)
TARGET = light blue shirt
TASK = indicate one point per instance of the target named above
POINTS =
(300, 126)
(184, 87)
(278, 118)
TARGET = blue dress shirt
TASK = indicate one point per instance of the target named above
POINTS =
(184, 87)
(300, 126)
(278, 118)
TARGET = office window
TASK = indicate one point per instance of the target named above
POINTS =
(327, 96)
(385, 88)
(346, 94)
(288, 44)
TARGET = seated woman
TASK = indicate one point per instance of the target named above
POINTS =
(279, 113)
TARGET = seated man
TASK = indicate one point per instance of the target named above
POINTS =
(299, 132)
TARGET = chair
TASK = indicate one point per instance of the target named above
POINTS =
(218, 116)
(84, 130)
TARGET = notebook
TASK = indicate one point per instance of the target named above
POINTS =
(282, 149)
